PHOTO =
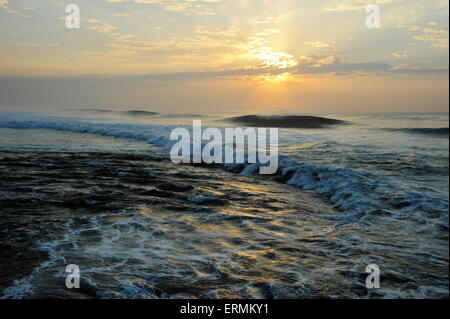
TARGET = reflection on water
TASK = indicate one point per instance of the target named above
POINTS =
(135, 226)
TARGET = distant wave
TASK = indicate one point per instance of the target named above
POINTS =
(180, 115)
(438, 132)
(94, 110)
(289, 121)
(140, 113)
(130, 113)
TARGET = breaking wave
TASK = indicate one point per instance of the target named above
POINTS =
(437, 132)
(354, 193)
(152, 222)
(140, 113)
(136, 113)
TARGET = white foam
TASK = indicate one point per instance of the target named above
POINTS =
(353, 192)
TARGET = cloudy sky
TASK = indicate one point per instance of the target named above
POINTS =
(216, 55)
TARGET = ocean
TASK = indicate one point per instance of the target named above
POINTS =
(96, 188)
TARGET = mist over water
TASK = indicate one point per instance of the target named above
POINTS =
(362, 188)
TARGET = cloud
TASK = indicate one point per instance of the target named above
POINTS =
(5, 6)
(351, 5)
(305, 65)
(247, 36)
(431, 33)
(102, 27)
(35, 44)
(196, 7)
(98, 25)
(436, 37)
(118, 14)
(400, 54)
(335, 64)
(318, 44)
(178, 6)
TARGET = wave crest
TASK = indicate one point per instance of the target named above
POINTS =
(438, 132)
(288, 121)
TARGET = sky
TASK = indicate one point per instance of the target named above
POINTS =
(302, 56)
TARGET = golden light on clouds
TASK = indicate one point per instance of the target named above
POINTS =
(270, 59)
(278, 78)
(267, 58)
(244, 53)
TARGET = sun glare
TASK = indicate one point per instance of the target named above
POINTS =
(271, 61)
(278, 78)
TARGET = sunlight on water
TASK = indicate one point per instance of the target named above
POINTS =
(344, 196)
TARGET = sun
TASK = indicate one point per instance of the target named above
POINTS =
(270, 59)
(279, 60)
(273, 61)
